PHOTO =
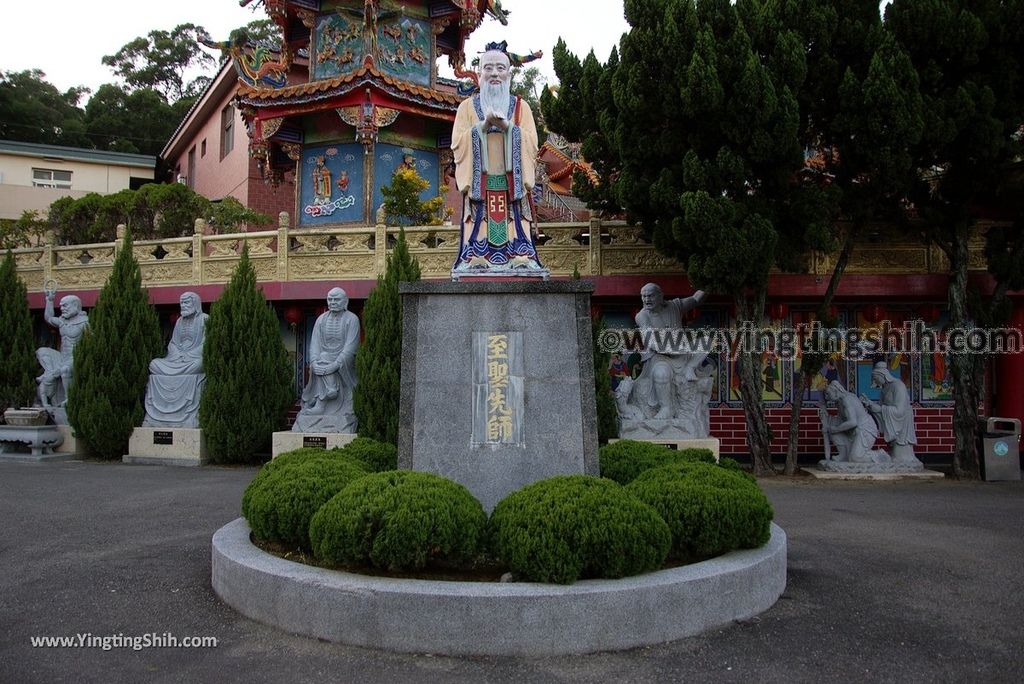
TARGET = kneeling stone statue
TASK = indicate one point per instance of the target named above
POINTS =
(176, 381)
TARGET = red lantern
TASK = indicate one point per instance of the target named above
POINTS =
(692, 315)
(292, 315)
(897, 318)
(928, 313)
(595, 312)
(875, 313)
(322, 310)
(777, 311)
(175, 315)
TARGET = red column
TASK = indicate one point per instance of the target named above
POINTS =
(1010, 374)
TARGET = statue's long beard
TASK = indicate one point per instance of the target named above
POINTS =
(494, 98)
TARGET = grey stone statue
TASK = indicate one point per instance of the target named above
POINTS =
(669, 399)
(327, 397)
(176, 381)
(58, 364)
(852, 431)
(895, 415)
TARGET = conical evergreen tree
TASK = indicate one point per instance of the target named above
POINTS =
(111, 361)
(378, 362)
(17, 356)
(248, 377)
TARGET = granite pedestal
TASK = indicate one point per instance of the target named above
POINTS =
(497, 383)
(289, 441)
(166, 446)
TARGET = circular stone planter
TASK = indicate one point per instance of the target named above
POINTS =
(492, 618)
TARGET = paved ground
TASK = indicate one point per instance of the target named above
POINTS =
(887, 582)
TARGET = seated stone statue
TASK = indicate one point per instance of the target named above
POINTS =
(852, 430)
(327, 397)
(669, 398)
(894, 414)
(176, 381)
(57, 364)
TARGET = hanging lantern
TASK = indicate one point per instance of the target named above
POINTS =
(777, 311)
(875, 313)
(928, 313)
(692, 315)
(175, 315)
(322, 310)
(293, 315)
(595, 312)
(897, 318)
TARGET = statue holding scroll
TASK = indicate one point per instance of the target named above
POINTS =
(176, 381)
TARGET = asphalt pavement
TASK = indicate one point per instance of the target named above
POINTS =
(890, 581)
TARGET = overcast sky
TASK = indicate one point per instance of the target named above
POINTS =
(67, 38)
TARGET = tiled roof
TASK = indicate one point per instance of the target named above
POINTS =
(315, 90)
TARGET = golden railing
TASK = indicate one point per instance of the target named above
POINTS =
(360, 252)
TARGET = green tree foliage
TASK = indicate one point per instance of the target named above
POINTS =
(33, 110)
(160, 59)
(28, 229)
(17, 350)
(402, 202)
(607, 412)
(111, 361)
(248, 375)
(140, 121)
(968, 58)
(584, 112)
(378, 361)
(154, 211)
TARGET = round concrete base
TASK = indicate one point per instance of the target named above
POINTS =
(491, 618)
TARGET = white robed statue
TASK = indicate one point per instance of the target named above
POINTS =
(176, 381)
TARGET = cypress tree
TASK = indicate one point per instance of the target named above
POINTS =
(378, 362)
(111, 361)
(17, 355)
(248, 377)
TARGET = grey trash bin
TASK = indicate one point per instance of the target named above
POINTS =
(1000, 448)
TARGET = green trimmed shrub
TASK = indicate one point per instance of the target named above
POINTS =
(622, 461)
(280, 505)
(106, 399)
(376, 456)
(574, 526)
(249, 384)
(18, 367)
(399, 520)
(291, 459)
(710, 510)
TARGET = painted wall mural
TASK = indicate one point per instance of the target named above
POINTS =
(332, 184)
(404, 49)
(339, 45)
(401, 44)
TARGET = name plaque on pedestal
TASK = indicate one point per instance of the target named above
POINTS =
(163, 437)
(314, 442)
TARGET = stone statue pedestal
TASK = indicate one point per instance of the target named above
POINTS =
(290, 441)
(166, 446)
(711, 443)
(497, 383)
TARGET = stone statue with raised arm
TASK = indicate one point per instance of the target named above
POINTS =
(669, 398)
(58, 364)
(327, 397)
(176, 381)
(895, 415)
